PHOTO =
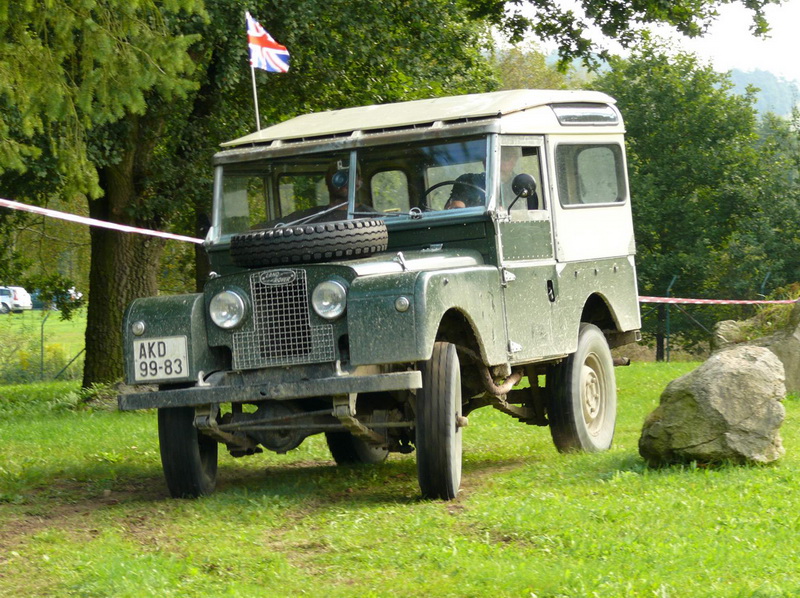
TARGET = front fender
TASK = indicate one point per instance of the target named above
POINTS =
(380, 333)
(172, 316)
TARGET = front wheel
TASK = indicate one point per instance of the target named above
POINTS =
(582, 395)
(438, 433)
(189, 458)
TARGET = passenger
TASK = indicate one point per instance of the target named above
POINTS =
(337, 180)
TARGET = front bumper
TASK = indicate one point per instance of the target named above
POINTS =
(279, 391)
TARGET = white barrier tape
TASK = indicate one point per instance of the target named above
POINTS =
(714, 301)
(14, 205)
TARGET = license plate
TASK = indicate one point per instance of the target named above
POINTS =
(160, 358)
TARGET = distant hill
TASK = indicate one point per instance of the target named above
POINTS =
(775, 94)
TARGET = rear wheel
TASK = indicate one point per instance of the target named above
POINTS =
(582, 395)
(189, 458)
(438, 434)
(346, 449)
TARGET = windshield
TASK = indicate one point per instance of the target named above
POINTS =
(403, 180)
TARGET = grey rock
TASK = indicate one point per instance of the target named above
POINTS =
(726, 334)
(785, 344)
(727, 410)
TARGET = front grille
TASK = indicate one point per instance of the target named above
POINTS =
(282, 332)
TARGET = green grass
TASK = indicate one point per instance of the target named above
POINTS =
(69, 333)
(21, 337)
(84, 512)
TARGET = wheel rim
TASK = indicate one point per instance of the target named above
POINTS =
(593, 394)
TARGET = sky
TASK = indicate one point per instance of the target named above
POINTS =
(729, 44)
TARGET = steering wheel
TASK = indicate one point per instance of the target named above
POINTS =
(443, 183)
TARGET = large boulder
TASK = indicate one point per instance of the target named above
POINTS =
(727, 410)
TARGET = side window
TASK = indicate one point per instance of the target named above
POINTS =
(515, 160)
(389, 191)
(590, 174)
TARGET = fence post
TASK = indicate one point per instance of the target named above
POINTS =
(669, 289)
(41, 347)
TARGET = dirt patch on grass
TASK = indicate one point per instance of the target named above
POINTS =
(65, 506)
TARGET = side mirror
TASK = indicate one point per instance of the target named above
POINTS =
(523, 185)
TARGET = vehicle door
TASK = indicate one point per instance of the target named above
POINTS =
(527, 258)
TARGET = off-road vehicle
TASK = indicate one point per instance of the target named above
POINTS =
(380, 272)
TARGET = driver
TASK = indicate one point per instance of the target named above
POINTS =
(468, 191)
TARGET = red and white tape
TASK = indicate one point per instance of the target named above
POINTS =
(714, 301)
(15, 205)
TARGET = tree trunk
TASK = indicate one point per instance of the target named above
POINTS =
(124, 266)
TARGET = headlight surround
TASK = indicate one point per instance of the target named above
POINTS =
(329, 299)
(227, 309)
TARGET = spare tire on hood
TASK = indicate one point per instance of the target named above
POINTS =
(308, 243)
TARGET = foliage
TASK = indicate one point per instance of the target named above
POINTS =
(72, 66)
(526, 67)
(770, 319)
(623, 21)
(22, 362)
(84, 511)
(715, 203)
(146, 91)
(54, 291)
(39, 397)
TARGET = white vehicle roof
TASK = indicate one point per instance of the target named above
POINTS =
(425, 112)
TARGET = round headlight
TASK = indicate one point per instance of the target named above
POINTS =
(227, 309)
(329, 299)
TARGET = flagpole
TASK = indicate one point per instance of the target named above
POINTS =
(265, 53)
(255, 96)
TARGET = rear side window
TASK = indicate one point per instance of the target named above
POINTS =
(590, 174)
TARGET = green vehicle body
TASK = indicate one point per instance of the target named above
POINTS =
(506, 286)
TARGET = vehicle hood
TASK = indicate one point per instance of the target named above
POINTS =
(415, 261)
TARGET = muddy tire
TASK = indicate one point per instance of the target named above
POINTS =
(582, 396)
(313, 242)
(438, 435)
(189, 458)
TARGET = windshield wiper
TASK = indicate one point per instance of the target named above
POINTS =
(413, 213)
(311, 217)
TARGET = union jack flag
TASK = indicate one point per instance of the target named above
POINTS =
(265, 52)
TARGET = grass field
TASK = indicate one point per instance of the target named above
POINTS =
(84, 512)
(22, 337)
